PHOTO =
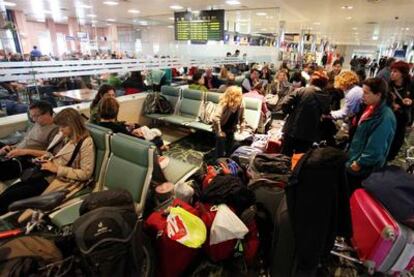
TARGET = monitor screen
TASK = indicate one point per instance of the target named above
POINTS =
(201, 26)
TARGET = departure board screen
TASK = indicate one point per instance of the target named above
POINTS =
(198, 27)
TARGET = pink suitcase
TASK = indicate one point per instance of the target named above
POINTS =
(382, 244)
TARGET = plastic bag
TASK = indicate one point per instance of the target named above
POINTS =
(186, 228)
(226, 226)
(184, 191)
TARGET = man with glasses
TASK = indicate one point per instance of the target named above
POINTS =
(14, 159)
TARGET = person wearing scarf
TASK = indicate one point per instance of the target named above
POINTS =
(374, 133)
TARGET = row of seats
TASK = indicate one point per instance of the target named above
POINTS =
(124, 162)
(187, 105)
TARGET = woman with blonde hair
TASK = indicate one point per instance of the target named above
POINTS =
(229, 114)
(348, 81)
(69, 166)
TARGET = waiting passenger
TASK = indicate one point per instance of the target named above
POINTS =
(223, 73)
(231, 81)
(134, 84)
(305, 108)
(348, 81)
(249, 82)
(257, 93)
(374, 133)
(197, 82)
(228, 115)
(297, 80)
(402, 94)
(108, 112)
(104, 91)
(16, 158)
(266, 74)
(211, 81)
(114, 80)
(65, 170)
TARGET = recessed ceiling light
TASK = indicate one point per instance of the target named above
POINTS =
(316, 23)
(84, 6)
(133, 11)
(176, 7)
(347, 7)
(143, 23)
(91, 15)
(171, 18)
(111, 20)
(110, 3)
(170, 26)
(348, 18)
(232, 2)
(261, 14)
(375, 38)
(407, 29)
(9, 4)
(354, 28)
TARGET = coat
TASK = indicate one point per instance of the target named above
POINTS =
(372, 140)
(72, 178)
(222, 114)
(305, 108)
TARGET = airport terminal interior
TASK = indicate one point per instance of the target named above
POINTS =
(207, 138)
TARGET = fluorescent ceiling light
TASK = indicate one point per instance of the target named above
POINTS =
(170, 26)
(8, 4)
(91, 15)
(348, 18)
(375, 38)
(84, 6)
(111, 20)
(133, 11)
(347, 7)
(111, 3)
(176, 7)
(232, 2)
(261, 14)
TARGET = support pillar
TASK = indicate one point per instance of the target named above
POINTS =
(74, 28)
(50, 25)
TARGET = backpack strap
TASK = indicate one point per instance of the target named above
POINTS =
(75, 152)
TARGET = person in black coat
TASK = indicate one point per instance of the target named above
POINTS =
(305, 108)
(211, 81)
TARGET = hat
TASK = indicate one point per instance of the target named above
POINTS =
(402, 67)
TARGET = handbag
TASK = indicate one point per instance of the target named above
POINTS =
(36, 172)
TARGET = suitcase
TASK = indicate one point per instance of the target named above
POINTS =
(382, 243)
(243, 155)
(273, 146)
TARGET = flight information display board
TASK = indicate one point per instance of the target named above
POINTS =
(202, 26)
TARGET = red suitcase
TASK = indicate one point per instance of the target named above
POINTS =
(381, 243)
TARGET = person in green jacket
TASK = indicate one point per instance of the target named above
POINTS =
(374, 133)
(197, 82)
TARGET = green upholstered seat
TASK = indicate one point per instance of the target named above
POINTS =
(211, 97)
(239, 80)
(252, 112)
(130, 166)
(100, 136)
(67, 214)
(172, 94)
(189, 107)
(178, 171)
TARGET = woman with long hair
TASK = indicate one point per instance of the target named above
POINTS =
(229, 114)
(104, 91)
(68, 165)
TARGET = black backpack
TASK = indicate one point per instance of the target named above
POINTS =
(156, 103)
(109, 234)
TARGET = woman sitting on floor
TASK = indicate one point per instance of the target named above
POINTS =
(108, 112)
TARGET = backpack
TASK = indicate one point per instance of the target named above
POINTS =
(156, 103)
(109, 235)
(269, 169)
(207, 111)
(24, 256)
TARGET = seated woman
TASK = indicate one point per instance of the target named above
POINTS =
(67, 165)
(108, 112)
(104, 91)
(134, 84)
(374, 134)
(231, 81)
(197, 83)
